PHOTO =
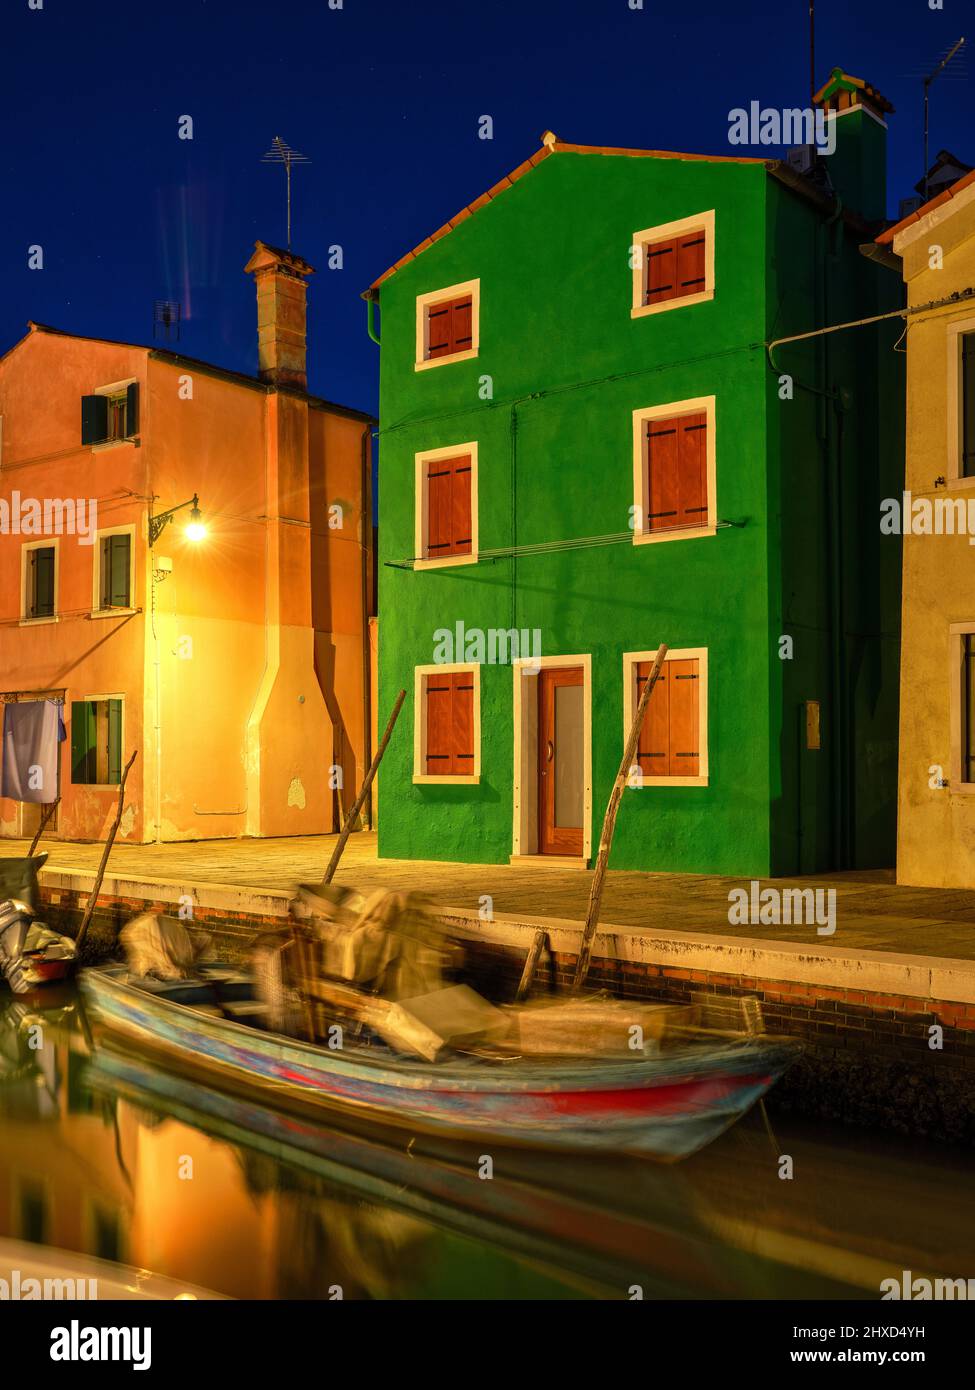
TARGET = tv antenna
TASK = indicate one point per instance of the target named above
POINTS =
(927, 87)
(282, 153)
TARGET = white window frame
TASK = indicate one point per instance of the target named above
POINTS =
(115, 388)
(692, 406)
(630, 662)
(423, 302)
(96, 611)
(46, 544)
(953, 413)
(421, 560)
(703, 221)
(420, 776)
(956, 646)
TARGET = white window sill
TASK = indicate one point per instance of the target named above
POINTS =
(445, 562)
(98, 786)
(443, 361)
(960, 789)
(642, 311)
(682, 533)
(112, 612)
(39, 622)
(672, 782)
(424, 780)
(113, 444)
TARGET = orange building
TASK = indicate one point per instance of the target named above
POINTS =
(238, 665)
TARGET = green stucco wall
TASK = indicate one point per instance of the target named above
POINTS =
(555, 457)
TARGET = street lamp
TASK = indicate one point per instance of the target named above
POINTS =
(195, 527)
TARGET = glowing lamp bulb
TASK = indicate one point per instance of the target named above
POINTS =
(196, 530)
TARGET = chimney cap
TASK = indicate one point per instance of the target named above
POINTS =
(265, 256)
(841, 91)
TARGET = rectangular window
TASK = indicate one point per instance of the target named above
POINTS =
(110, 414)
(673, 265)
(449, 327)
(967, 460)
(968, 708)
(674, 470)
(96, 742)
(448, 483)
(115, 569)
(39, 587)
(447, 324)
(447, 724)
(672, 747)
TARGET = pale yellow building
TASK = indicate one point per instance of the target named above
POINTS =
(936, 797)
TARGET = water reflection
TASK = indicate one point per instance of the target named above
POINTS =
(107, 1155)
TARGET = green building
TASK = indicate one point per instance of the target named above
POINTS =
(588, 448)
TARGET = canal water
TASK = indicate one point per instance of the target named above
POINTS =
(111, 1157)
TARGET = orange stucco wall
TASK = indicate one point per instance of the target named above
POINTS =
(243, 672)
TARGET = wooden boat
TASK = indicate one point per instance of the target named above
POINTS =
(666, 1105)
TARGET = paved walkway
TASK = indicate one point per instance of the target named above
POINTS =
(872, 913)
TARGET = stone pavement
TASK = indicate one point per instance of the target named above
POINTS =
(872, 912)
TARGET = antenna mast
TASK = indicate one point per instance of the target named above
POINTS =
(927, 85)
(282, 153)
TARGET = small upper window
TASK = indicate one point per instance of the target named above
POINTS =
(110, 415)
(673, 265)
(447, 324)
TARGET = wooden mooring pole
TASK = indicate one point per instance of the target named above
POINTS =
(89, 910)
(49, 810)
(609, 824)
(359, 802)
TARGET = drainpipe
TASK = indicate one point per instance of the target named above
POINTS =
(832, 463)
(371, 320)
(367, 553)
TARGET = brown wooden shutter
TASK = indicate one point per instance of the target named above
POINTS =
(449, 507)
(463, 723)
(669, 744)
(438, 330)
(653, 748)
(663, 472)
(439, 488)
(690, 264)
(450, 724)
(460, 327)
(693, 470)
(685, 749)
(661, 258)
(449, 327)
(439, 700)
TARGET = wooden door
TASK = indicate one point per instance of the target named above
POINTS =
(561, 760)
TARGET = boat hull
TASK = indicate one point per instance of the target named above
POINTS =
(666, 1107)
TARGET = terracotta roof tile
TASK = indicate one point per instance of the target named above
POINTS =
(887, 237)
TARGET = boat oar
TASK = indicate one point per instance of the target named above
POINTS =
(350, 819)
(609, 824)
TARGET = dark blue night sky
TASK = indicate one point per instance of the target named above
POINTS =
(384, 98)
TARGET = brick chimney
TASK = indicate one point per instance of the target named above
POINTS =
(858, 166)
(281, 314)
